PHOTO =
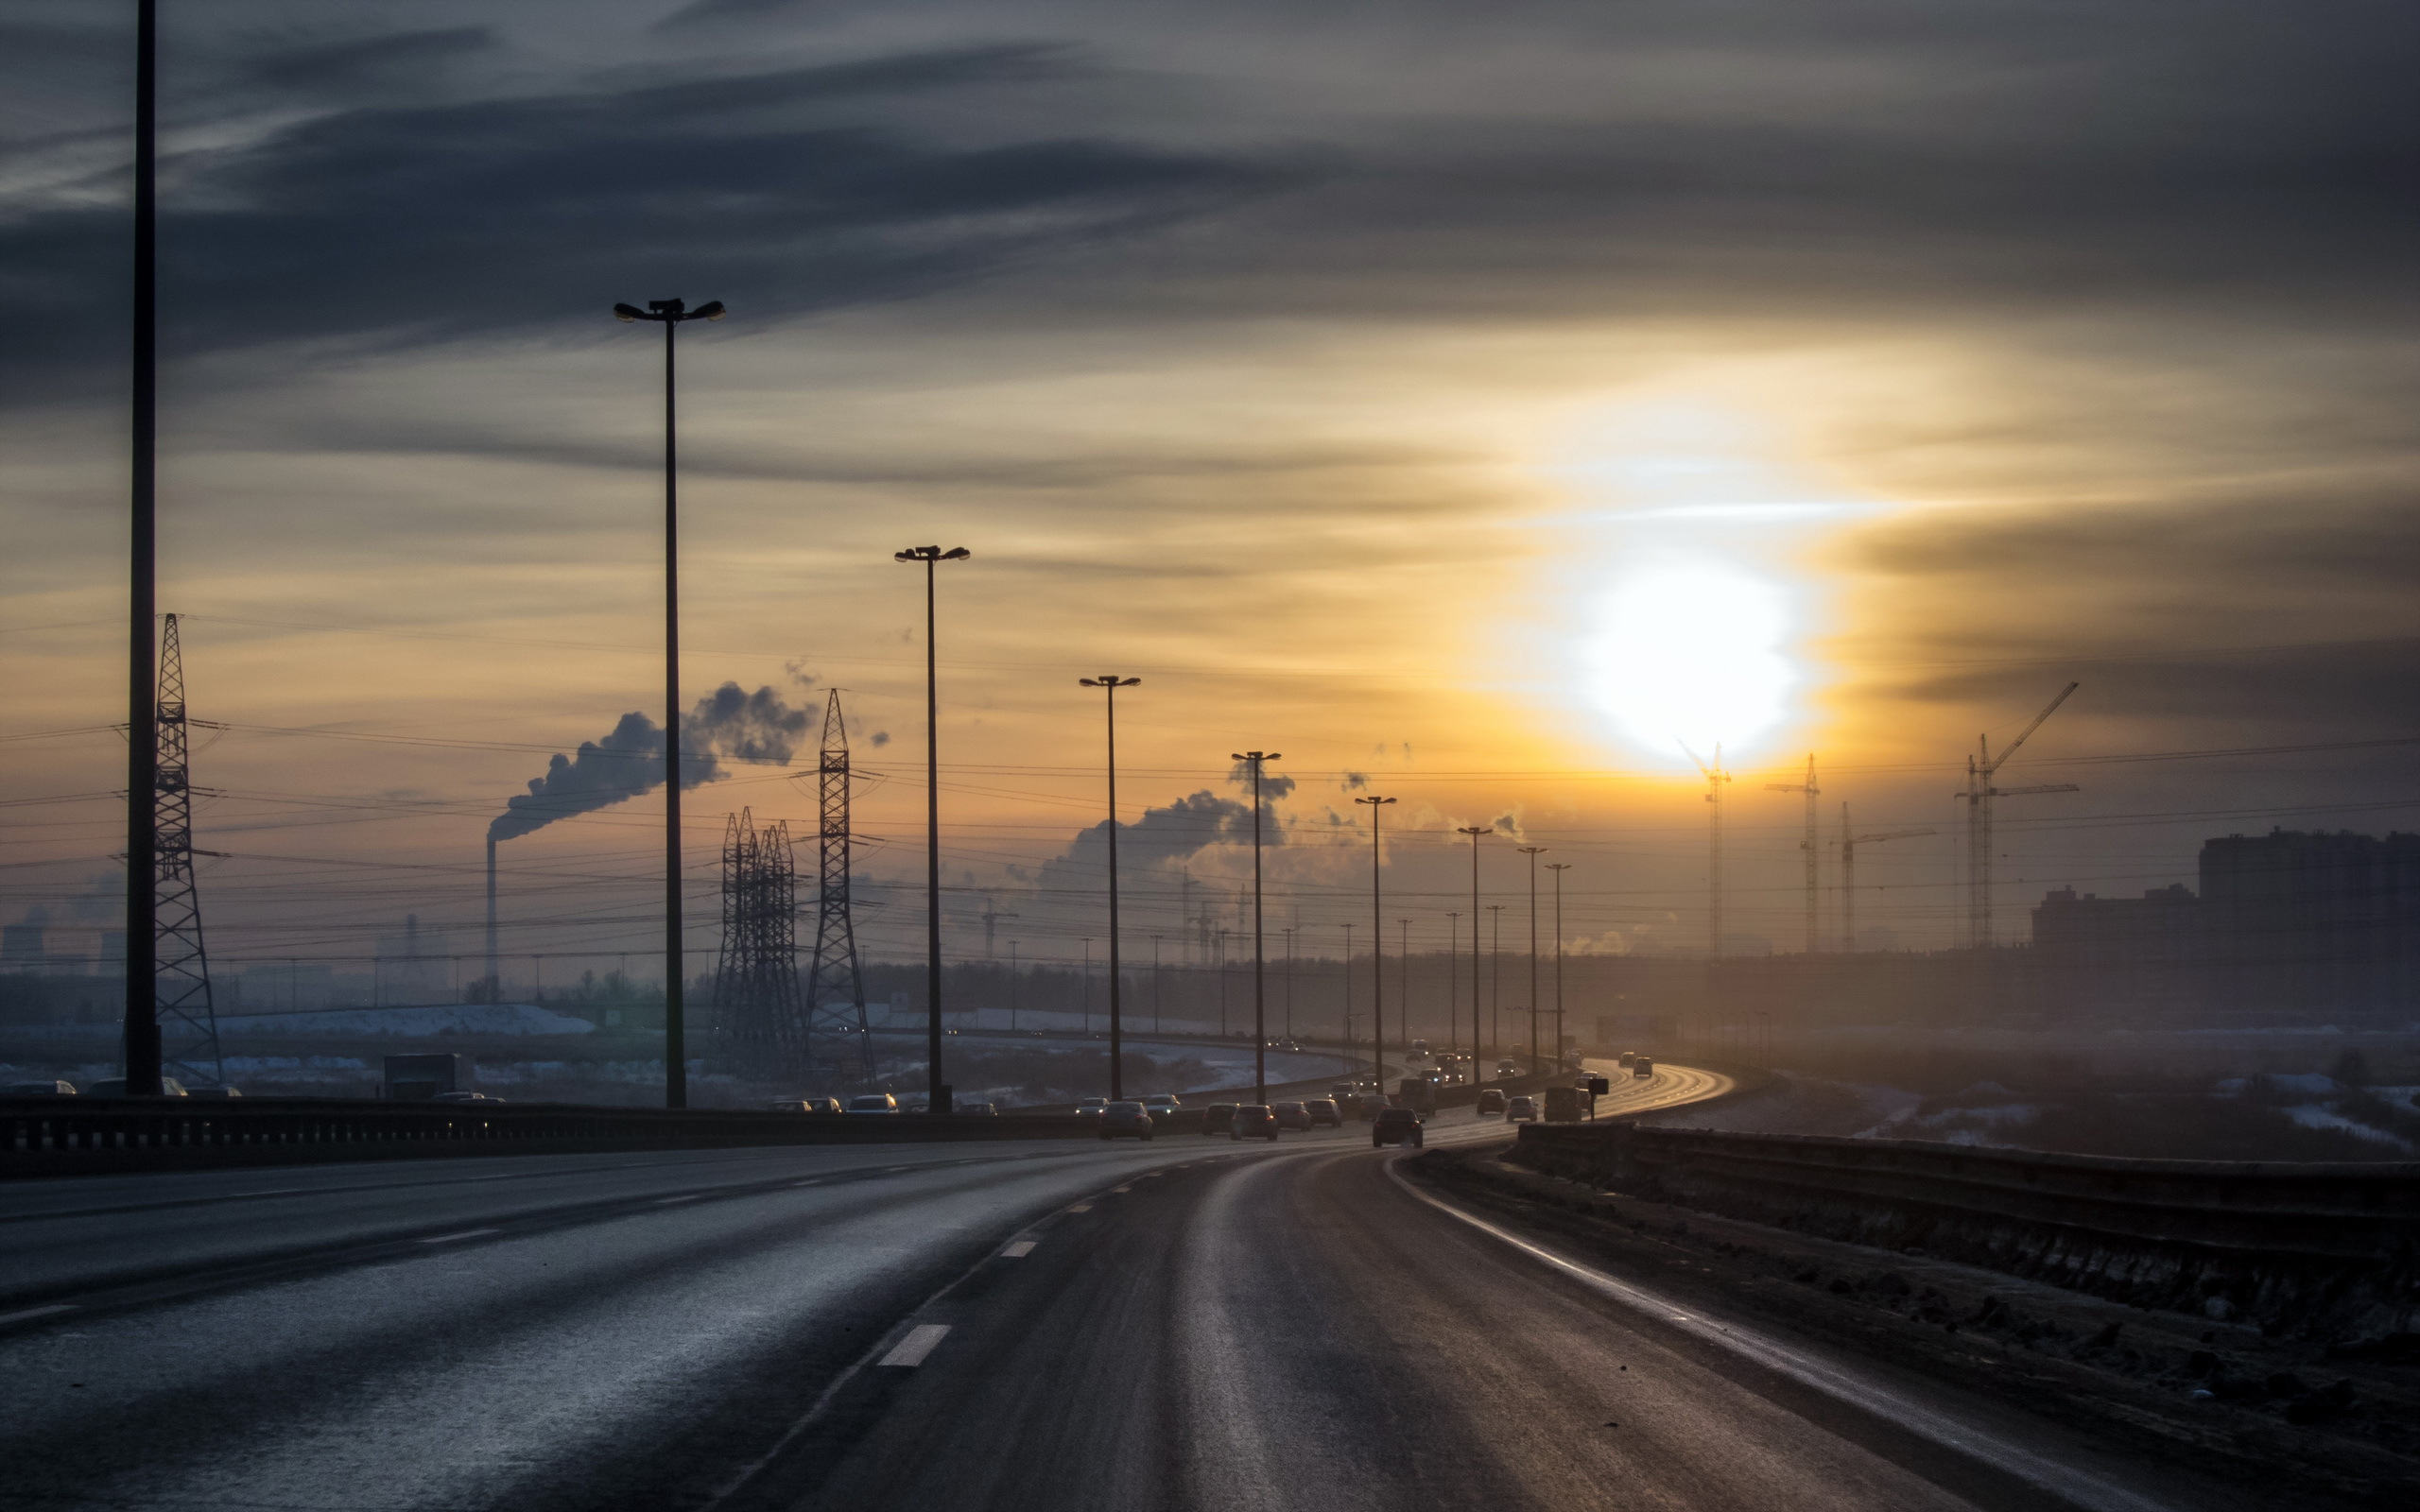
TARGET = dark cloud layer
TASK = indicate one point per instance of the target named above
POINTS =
(489, 218)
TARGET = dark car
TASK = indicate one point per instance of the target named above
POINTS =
(1255, 1121)
(1322, 1112)
(1163, 1105)
(1397, 1126)
(213, 1092)
(1642, 1066)
(1292, 1115)
(975, 1110)
(1490, 1100)
(873, 1103)
(116, 1087)
(38, 1089)
(1091, 1107)
(1126, 1119)
(1219, 1118)
(1521, 1110)
(823, 1105)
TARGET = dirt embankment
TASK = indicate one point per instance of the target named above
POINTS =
(2314, 1426)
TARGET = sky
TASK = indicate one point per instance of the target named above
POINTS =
(1486, 408)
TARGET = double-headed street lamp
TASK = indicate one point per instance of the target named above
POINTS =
(1378, 953)
(1533, 852)
(1478, 1050)
(669, 314)
(1558, 868)
(1109, 683)
(1259, 966)
(935, 1090)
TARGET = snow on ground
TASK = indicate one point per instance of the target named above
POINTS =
(2312, 1115)
(417, 1023)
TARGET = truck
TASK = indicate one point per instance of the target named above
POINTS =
(1418, 1093)
(1565, 1105)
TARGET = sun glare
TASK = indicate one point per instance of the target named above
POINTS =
(1694, 651)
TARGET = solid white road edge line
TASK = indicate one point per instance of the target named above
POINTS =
(22, 1314)
(918, 1344)
(467, 1233)
(2075, 1486)
(665, 1202)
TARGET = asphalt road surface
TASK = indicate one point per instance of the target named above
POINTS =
(1187, 1323)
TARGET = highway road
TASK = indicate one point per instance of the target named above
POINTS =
(1187, 1323)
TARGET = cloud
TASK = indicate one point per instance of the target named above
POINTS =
(392, 226)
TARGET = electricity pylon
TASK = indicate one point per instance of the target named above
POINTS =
(1850, 841)
(1980, 769)
(835, 987)
(188, 1020)
(1715, 778)
(756, 1008)
(1811, 845)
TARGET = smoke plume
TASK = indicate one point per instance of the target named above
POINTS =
(726, 726)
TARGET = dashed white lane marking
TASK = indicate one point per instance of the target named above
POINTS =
(1081, 1207)
(1121, 1189)
(665, 1202)
(918, 1344)
(467, 1233)
(24, 1313)
(1016, 1251)
(810, 1181)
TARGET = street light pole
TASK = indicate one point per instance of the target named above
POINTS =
(1532, 851)
(935, 1090)
(1259, 964)
(141, 1025)
(1109, 683)
(1474, 830)
(1558, 868)
(1454, 992)
(1377, 951)
(670, 313)
(1496, 977)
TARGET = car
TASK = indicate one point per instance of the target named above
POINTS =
(823, 1105)
(1521, 1110)
(1292, 1115)
(1219, 1118)
(1507, 1066)
(873, 1103)
(1490, 1100)
(975, 1110)
(788, 1105)
(464, 1097)
(116, 1087)
(213, 1092)
(38, 1089)
(1162, 1106)
(1642, 1066)
(1397, 1126)
(1126, 1118)
(1624, 1059)
(1323, 1114)
(1091, 1107)
(1290, 1045)
(1256, 1121)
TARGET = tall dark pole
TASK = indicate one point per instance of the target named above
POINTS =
(1259, 954)
(1109, 683)
(935, 1090)
(1478, 1050)
(1558, 868)
(669, 314)
(142, 1048)
(1532, 851)
(1377, 952)
(1454, 990)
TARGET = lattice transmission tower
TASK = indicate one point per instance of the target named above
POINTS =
(188, 1019)
(837, 1033)
(756, 1005)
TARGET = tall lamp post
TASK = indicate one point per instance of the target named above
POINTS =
(1259, 964)
(935, 1090)
(1474, 830)
(1558, 868)
(1533, 852)
(670, 313)
(142, 650)
(1454, 992)
(1109, 683)
(1377, 952)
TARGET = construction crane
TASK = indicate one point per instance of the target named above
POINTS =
(1811, 845)
(1980, 769)
(1715, 778)
(1850, 841)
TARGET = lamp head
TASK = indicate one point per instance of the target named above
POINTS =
(667, 309)
(710, 310)
(627, 313)
(956, 553)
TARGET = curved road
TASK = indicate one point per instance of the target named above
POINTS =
(1188, 1323)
